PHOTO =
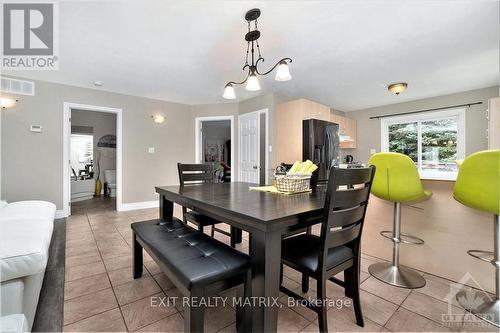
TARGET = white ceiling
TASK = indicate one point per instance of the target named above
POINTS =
(344, 52)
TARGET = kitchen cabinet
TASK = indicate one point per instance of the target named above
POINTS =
(289, 118)
(494, 123)
(347, 130)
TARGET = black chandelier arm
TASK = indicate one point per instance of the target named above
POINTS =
(276, 65)
(238, 83)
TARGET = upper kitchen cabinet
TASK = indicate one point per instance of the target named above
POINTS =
(289, 118)
(347, 130)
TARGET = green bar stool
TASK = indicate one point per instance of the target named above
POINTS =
(397, 180)
(477, 186)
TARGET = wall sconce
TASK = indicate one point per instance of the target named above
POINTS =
(6, 103)
(158, 118)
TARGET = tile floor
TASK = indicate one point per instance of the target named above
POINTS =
(101, 295)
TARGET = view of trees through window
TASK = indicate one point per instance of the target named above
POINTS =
(438, 140)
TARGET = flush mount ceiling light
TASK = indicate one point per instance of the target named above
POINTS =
(6, 103)
(98, 83)
(397, 88)
(158, 118)
(251, 79)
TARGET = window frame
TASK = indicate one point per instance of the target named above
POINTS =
(459, 113)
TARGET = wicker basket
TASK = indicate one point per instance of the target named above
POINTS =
(293, 183)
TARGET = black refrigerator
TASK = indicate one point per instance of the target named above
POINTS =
(320, 144)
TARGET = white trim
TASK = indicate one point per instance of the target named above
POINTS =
(66, 153)
(197, 140)
(266, 162)
(60, 214)
(418, 118)
(139, 205)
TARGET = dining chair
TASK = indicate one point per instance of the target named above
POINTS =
(337, 248)
(195, 174)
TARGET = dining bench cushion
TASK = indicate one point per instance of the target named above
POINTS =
(196, 259)
(303, 251)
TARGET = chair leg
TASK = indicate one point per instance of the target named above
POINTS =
(200, 228)
(305, 283)
(184, 210)
(244, 312)
(194, 316)
(138, 257)
(351, 279)
(321, 296)
(212, 231)
(281, 275)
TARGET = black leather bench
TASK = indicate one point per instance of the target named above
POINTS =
(198, 265)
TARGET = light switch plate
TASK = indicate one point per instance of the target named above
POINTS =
(151, 150)
(36, 128)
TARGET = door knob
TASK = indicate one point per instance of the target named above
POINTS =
(255, 167)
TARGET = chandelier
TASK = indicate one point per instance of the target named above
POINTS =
(251, 79)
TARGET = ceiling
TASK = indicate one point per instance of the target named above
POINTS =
(344, 52)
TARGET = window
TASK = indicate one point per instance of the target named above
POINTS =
(433, 140)
(82, 151)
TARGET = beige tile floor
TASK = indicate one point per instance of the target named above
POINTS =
(101, 295)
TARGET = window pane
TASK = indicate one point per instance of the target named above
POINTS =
(403, 139)
(439, 144)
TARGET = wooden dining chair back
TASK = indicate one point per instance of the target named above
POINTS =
(196, 174)
(346, 201)
(190, 174)
(337, 248)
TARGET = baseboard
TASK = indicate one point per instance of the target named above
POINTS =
(138, 205)
(60, 214)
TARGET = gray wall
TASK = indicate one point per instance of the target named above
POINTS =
(265, 101)
(368, 134)
(102, 124)
(21, 149)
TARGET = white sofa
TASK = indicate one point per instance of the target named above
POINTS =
(25, 234)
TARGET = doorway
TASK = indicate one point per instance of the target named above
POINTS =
(214, 140)
(253, 143)
(91, 157)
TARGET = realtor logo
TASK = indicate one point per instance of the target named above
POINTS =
(29, 36)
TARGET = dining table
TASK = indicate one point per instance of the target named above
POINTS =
(267, 217)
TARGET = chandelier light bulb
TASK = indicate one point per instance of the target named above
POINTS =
(283, 72)
(229, 92)
(252, 83)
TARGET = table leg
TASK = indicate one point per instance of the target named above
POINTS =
(265, 250)
(166, 208)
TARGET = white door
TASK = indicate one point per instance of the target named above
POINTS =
(249, 147)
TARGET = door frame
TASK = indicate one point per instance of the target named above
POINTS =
(197, 137)
(67, 107)
(266, 162)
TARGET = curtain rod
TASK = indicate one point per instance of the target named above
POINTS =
(420, 111)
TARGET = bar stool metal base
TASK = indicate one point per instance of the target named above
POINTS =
(488, 311)
(398, 276)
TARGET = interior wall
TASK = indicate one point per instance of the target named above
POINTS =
(32, 162)
(368, 134)
(102, 124)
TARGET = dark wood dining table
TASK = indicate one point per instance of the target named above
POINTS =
(265, 216)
